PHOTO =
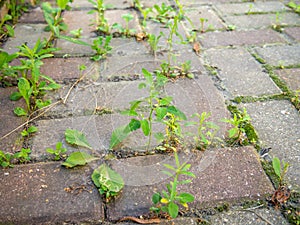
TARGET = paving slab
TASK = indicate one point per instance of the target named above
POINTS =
(9, 121)
(35, 15)
(277, 123)
(69, 49)
(281, 55)
(63, 69)
(260, 21)
(254, 217)
(251, 7)
(240, 72)
(25, 33)
(86, 21)
(35, 194)
(290, 77)
(233, 38)
(294, 32)
(240, 176)
(213, 22)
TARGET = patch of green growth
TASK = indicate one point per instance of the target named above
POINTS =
(8, 73)
(251, 99)
(268, 168)
(163, 13)
(108, 181)
(5, 27)
(223, 207)
(76, 33)
(280, 169)
(211, 69)
(28, 131)
(278, 25)
(291, 209)
(58, 152)
(296, 99)
(242, 132)
(253, 203)
(294, 6)
(21, 156)
(281, 84)
(168, 201)
(102, 47)
(202, 23)
(78, 159)
(153, 42)
(258, 58)
(5, 159)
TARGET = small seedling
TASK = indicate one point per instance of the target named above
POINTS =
(23, 155)
(58, 152)
(163, 13)
(5, 159)
(76, 33)
(278, 25)
(6, 29)
(206, 130)
(108, 181)
(202, 22)
(102, 47)
(153, 42)
(170, 200)
(294, 6)
(30, 130)
(128, 17)
(99, 9)
(280, 169)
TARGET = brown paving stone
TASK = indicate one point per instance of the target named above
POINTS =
(80, 19)
(34, 194)
(294, 32)
(9, 121)
(251, 37)
(72, 49)
(291, 77)
(259, 21)
(65, 68)
(222, 175)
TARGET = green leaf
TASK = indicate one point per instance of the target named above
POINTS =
(20, 111)
(159, 136)
(62, 3)
(15, 96)
(161, 112)
(107, 179)
(117, 136)
(10, 30)
(3, 58)
(24, 89)
(148, 76)
(176, 112)
(156, 197)
(74, 40)
(32, 129)
(276, 166)
(186, 197)
(170, 167)
(142, 85)
(173, 209)
(75, 137)
(145, 127)
(78, 159)
(133, 125)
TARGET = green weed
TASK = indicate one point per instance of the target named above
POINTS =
(58, 152)
(102, 47)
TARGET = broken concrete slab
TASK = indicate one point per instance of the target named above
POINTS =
(281, 55)
(277, 123)
(237, 175)
(45, 193)
(240, 72)
(251, 37)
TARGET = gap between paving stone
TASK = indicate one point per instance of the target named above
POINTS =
(35, 194)
(222, 175)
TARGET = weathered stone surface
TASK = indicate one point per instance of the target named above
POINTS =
(36, 194)
(294, 32)
(33, 16)
(241, 73)
(127, 47)
(291, 77)
(251, 7)
(237, 174)
(281, 55)
(80, 19)
(251, 37)
(9, 121)
(277, 123)
(74, 50)
(25, 33)
(213, 22)
(235, 217)
(259, 21)
(66, 68)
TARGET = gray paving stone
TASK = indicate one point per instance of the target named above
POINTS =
(25, 33)
(251, 7)
(73, 50)
(277, 123)
(80, 19)
(294, 32)
(240, 176)
(291, 77)
(33, 16)
(35, 194)
(213, 21)
(259, 21)
(248, 217)
(241, 73)
(9, 121)
(282, 55)
(251, 37)
(66, 68)
(127, 47)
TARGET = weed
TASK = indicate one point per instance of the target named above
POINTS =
(202, 22)
(153, 42)
(5, 159)
(163, 13)
(8, 28)
(278, 25)
(231, 27)
(58, 152)
(16, 8)
(169, 201)
(296, 99)
(6, 70)
(76, 33)
(23, 155)
(99, 9)
(294, 6)
(30, 130)
(102, 47)
(280, 170)
(206, 130)
(108, 181)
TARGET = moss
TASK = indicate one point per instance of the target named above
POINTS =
(224, 207)
(270, 172)
(291, 210)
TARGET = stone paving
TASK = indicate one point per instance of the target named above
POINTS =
(230, 65)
